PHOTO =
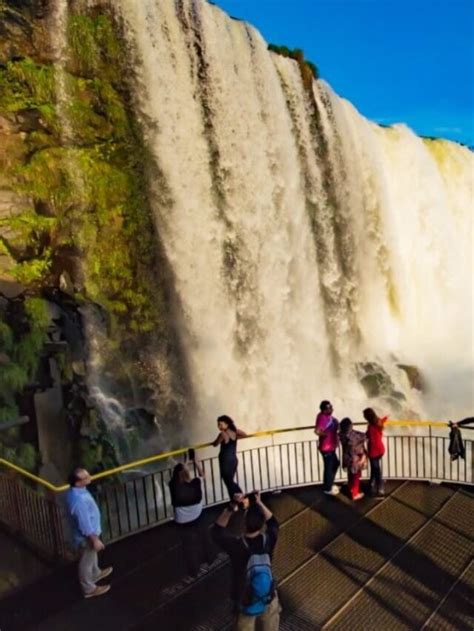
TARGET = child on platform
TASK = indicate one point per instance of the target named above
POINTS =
(354, 456)
(376, 449)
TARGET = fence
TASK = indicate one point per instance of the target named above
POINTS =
(34, 518)
(270, 461)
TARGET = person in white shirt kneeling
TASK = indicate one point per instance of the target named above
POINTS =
(186, 498)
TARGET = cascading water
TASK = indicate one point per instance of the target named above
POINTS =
(305, 241)
(59, 19)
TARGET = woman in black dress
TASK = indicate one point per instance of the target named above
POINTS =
(227, 439)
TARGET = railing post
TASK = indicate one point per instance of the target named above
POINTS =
(275, 489)
(431, 451)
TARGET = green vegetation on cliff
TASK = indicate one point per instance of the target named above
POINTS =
(74, 213)
(20, 348)
(82, 166)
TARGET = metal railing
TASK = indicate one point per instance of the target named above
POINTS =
(34, 518)
(270, 461)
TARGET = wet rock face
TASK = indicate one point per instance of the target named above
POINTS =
(376, 381)
(23, 30)
(41, 342)
(415, 378)
(12, 204)
(378, 384)
(60, 244)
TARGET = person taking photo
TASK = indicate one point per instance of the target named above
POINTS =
(253, 592)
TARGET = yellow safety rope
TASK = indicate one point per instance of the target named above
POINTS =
(182, 450)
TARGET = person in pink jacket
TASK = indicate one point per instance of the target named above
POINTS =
(327, 429)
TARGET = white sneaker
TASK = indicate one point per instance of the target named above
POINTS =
(333, 491)
(98, 591)
(359, 496)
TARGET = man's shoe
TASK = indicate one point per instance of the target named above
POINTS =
(98, 591)
(333, 491)
(107, 571)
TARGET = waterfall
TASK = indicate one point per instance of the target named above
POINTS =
(304, 239)
(59, 20)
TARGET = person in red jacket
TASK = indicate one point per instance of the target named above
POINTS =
(376, 450)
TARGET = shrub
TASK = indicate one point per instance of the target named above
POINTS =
(298, 55)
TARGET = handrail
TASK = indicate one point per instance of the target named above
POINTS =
(31, 476)
(182, 450)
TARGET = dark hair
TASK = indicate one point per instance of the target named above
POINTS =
(176, 477)
(370, 416)
(226, 419)
(254, 519)
(345, 425)
(73, 477)
(324, 404)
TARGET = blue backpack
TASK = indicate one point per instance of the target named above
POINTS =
(259, 584)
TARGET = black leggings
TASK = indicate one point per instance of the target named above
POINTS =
(196, 544)
(228, 470)
(376, 480)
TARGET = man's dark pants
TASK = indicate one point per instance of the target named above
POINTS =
(331, 465)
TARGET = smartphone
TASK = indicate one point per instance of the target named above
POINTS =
(252, 497)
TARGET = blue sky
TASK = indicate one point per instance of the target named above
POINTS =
(409, 61)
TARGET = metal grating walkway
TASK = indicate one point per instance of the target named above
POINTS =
(403, 563)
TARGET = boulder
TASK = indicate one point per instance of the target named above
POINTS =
(9, 287)
(375, 381)
(66, 284)
(29, 120)
(415, 378)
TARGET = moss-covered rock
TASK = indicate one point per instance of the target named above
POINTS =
(89, 197)
(24, 455)
(23, 30)
(22, 336)
(95, 455)
(74, 209)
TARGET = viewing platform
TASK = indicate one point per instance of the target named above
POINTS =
(403, 562)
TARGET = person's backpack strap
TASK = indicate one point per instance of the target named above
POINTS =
(245, 542)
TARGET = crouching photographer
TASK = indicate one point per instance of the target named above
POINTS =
(253, 586)
(186, 498)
